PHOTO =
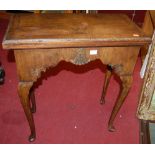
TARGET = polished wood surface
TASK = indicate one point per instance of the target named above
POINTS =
(152, 13)
(148, 24)
(67, 30)
(42, 41)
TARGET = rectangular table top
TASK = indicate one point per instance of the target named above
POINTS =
(72, 30)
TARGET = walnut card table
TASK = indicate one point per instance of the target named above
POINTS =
(40, 41)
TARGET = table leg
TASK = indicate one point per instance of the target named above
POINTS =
(33, 101)
(126, 84)
(23, 91)
(106, 83)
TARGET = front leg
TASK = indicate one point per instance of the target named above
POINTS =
(125, 87)
(23, 91)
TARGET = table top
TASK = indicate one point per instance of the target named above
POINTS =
(72, 30)
(152, 13)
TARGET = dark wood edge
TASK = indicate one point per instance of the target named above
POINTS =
(144, 132)
(54, 43)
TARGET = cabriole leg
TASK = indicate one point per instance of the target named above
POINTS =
(106, 83)
(23, 91)
(126, 84)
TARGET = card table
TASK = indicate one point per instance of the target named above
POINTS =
(41, 41)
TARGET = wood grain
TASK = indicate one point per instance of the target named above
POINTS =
(72, 30)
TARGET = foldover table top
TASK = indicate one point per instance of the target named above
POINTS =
(72, 30)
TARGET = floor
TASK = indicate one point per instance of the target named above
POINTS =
(68, 109)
